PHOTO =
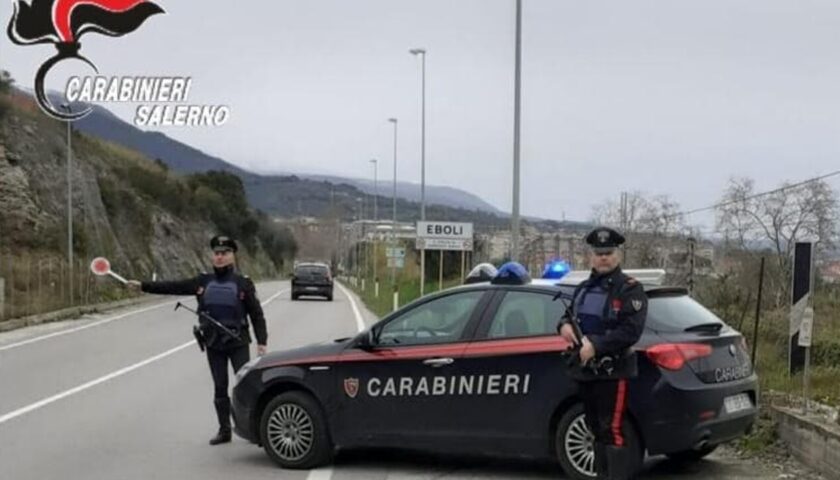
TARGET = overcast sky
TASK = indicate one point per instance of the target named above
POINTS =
(668, 97)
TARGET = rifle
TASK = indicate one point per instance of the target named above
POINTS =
(603, 366)
(199, 335)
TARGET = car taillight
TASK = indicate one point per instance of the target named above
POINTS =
(672, 356)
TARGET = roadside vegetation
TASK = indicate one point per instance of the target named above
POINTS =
(123, 205)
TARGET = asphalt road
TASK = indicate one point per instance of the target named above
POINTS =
(127, 395)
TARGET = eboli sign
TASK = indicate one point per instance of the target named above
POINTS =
(445, 236)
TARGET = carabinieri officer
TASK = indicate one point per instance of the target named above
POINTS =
(230, 298)
(611, 309)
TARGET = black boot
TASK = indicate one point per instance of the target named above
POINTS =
(619, 463)
(223, 412)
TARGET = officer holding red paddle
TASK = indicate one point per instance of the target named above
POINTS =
(229, 298)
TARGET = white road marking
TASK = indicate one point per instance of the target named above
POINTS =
(320, 474)
(360, 323)
(46, 401)
(327, 472)
(92, 383)
(83, 327)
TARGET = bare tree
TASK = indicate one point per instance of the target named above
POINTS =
(650, 224)
(778, 219)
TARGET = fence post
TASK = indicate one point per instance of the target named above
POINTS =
(2, 298)
(757, 311)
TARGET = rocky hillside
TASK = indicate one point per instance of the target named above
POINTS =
(126, 207)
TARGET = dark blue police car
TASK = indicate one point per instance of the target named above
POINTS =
(480, 369)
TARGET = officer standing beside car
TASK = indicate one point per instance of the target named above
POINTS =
(229, 298)
(611, 309)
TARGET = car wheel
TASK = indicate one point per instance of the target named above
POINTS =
(687, 456)
(330, 297)
(575, 448)
(294, 296)
(293, 432)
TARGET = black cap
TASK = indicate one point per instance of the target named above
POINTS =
(220, 243)
(604, 239)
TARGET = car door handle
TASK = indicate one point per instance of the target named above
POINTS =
(438, 362)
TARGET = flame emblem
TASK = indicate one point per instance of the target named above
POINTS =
(63, 22)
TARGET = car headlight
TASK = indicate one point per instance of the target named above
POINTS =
(240, 374)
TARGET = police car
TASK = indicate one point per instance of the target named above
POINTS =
(480, 369)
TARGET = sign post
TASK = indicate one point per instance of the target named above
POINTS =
(801, 285)
(462, 264)
(805, 333)
(443, 236)
(440, 271)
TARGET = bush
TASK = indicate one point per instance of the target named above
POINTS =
(157, 186)
(278, 242)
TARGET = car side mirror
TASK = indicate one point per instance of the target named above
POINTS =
(367, 341)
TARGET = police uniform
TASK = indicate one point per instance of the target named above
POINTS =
(230, 298)
(611, 309)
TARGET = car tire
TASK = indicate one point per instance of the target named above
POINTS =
(293, 432)
(330, 297)
(693, 455)
(294, 296)
(574, 450)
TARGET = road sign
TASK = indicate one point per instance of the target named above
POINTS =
(444, 244)
(396, 262)
(445, 236)
(801, 287)
(806, 328)
(398, 252)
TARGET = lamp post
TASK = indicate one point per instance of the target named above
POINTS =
(375, 163)
(66, 107)
(394, 219)
(394, 206)
(514, 254)
(422, 53)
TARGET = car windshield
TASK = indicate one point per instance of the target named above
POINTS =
(311, 270)
(676, 313)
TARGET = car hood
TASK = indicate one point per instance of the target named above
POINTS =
(315, 350)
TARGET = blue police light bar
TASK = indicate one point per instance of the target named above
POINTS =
(511, 273)
(556, 269)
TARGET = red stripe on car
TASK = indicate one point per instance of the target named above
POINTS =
(483, 348)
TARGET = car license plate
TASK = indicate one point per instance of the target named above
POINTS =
(311, 288)
(737, 403)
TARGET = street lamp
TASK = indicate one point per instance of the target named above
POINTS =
(360, 215)
(375, 163)
(514, 254)
(66, 107)
(394, 212)
(422, 53)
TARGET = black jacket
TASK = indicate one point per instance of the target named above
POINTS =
(193, 286)
(627, 297)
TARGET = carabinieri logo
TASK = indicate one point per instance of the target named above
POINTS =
(62, 22)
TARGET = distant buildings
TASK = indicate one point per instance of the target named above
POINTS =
(830, 271)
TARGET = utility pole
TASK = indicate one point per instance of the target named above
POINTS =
(571, 253)
(624, 222)
(691, 246)
(394, 213)
(517, 89)
(66, 107)
(375, 163)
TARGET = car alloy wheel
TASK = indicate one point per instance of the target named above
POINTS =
(291, 432)
(579, 445)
